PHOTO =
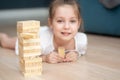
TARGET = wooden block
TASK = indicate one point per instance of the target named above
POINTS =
(28, 68)
(31, 71)
(30, 44)
(32, 74)
(28, 23)
(34, 59)
(28, 26)
(29, 54)
(30, 59)
(61, 51)
(30, 51)
(32, 65)
(28, 64)
(28, 35)
(31, 40)
(29, 48)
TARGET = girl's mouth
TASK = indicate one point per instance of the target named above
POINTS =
(65, 33)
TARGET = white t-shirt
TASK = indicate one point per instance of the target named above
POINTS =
(46, 41)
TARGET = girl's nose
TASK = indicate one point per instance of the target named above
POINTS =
(66, 26)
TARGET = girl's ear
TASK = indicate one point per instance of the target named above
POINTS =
(49, 23)
(79, 23)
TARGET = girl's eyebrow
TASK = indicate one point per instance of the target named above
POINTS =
(74, 17)
(57, 18)
(63, 17)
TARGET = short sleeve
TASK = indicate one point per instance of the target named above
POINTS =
(81, 43)
(46, 40)
(16, 48)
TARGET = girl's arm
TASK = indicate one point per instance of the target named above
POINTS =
(52, 57)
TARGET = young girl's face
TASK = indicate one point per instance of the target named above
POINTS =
(65, 23)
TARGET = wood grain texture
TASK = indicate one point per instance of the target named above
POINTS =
(102, 62)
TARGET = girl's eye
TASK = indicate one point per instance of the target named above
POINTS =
(59, 21)
(73, 21)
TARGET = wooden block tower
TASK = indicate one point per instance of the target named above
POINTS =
(29, 47)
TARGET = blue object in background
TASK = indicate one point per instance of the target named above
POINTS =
(98, 19)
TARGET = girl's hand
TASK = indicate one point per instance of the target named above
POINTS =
(53, 57)
(71, 56)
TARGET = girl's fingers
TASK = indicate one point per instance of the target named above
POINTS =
(60, 59)
(71, 57)
(53, 61)
(54, 58)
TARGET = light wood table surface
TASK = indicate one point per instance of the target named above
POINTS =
(102, 62)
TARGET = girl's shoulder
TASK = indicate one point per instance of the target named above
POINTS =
(81, 38)
(44, 28)
(45, 31)
(45, 35)
(81, 35)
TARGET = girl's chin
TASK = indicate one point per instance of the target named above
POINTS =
(66, 39)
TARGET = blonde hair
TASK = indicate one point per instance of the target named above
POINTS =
(57, 3)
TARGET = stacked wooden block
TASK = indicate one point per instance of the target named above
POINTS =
(29, 47)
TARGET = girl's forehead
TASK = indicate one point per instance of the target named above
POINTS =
(65, 10)
(64, 7)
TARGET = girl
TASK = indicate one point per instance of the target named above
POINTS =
(64, 21)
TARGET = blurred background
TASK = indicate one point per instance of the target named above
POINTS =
(12, 11)
(99, 16)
